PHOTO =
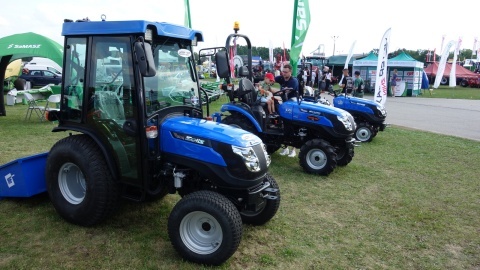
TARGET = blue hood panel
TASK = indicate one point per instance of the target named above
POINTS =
(291, 111)
(194, 137)
(343, 100)
(355, 104)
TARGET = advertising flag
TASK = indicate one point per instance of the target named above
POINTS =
(453, 71)
(301, 21)
(350, 53)
(187, 22)
(381, 83)
(442, 63)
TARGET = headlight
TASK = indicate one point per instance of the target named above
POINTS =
(346, 121)
(249, 157)
(267, 156)
(382, 110)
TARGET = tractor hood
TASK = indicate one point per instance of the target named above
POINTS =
(312, 107)
(355, 100)
(213, 143)
(201, 131)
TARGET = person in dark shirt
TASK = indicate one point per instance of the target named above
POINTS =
(287, 81)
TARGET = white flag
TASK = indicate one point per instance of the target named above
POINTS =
(381, 80)
(453, 71)
(442, 63)
(350, 53)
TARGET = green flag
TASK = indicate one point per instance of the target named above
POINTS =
(188, 22)
(301, 21)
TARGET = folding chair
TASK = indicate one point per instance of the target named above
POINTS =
(32, 106)
(51, 99)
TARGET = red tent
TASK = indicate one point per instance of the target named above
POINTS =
(460, 72)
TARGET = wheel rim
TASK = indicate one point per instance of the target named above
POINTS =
(72, 183)
(201, 232)
(316, 159)
(363, 134)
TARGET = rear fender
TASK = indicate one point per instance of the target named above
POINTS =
(233, 108)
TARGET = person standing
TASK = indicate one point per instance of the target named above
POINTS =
(358, 85)
(328, 78)
(314, 77)
(347, 83)
(393, 82)
(287, 81)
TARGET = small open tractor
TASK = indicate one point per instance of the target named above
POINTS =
(368, 114)
(132, 141)
(323, 134)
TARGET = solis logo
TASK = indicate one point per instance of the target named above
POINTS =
(24, 46)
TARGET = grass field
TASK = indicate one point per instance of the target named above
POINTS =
(408, 200)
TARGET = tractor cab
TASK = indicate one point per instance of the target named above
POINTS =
(120, 80)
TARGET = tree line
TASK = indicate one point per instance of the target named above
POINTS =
(419, 54)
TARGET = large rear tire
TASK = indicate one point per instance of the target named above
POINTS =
(79, 183)
(239, 122)
(205, 227)
(269, 209)
(318, 157)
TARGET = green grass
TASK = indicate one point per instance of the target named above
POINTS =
(458, 92)
(408, 200)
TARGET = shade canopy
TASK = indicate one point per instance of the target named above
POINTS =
(29, 45)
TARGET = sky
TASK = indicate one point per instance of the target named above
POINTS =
(415, 24)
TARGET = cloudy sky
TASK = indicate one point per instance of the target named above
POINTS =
(415, 24)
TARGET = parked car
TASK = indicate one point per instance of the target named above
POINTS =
(32, 66)
(40, 77)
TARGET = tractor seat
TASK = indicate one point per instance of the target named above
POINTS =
(246, 85)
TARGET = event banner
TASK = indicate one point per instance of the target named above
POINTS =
(381, 83)
(443, 62)
(301, 22)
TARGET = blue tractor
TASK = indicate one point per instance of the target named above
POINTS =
(130, 140)
(323, 134)
(368, 114)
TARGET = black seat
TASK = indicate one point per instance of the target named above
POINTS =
(246, 90)
(247, 87)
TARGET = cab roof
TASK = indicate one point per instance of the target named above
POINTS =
(81, 28)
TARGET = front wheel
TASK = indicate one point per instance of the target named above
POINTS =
(444, 81)
(205, 227)
(345, 154)
(318, 157)
(364, 132)
(269, 208)
(79, 183)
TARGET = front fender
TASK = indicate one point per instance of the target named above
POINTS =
(234, 108)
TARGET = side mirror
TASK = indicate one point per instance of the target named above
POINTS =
(223, 69)
(144, 57)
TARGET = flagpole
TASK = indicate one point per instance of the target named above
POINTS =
(187, 20)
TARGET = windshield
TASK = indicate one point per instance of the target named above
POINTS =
(173, 84)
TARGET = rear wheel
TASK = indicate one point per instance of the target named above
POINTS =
(205, 227)
(79, 183)
(318, 157)
(364, 132)
(267, 211)
(464, 83)
(239, 122)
